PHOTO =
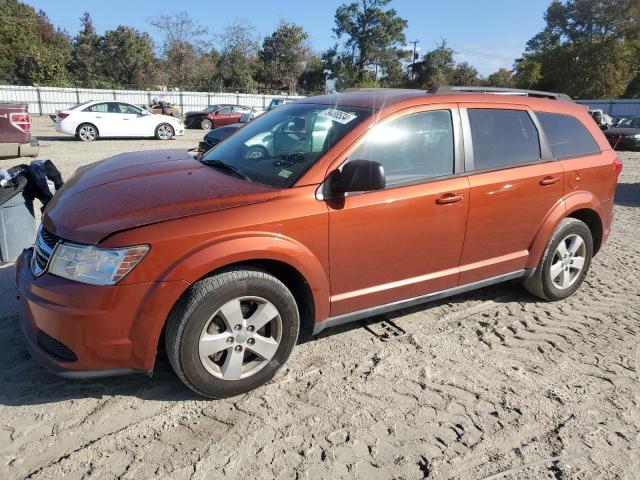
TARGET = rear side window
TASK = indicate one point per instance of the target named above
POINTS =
(98, 107)
(502, 138)
(566, 135)
(411, 148)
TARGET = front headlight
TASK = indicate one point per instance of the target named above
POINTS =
(93, 265)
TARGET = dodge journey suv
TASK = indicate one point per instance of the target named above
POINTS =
(360, 203)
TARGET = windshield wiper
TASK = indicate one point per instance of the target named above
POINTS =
(227, 167)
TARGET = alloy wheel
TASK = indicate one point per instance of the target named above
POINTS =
(240, 338)
(568, 261)
(87, 133)
(165, 132)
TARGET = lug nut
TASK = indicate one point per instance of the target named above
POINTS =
(251, 341)
(251, 328)
(230, 340)
(238, 327)
(238, 348)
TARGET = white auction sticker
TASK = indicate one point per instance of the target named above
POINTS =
(337, 115)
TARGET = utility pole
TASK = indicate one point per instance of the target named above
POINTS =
(413, 57)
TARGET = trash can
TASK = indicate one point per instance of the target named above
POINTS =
(17, 222)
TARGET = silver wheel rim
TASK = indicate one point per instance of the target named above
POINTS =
(87, 133)
(164, 132)
(240, 338)
(206, 124)
(568, 260)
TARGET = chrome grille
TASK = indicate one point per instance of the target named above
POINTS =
(45, 243)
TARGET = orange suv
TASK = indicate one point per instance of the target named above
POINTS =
(360, 203)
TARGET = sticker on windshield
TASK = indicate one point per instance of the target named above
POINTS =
(337, 115)
(285, 173)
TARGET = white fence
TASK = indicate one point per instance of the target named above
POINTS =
(45, 100)
(615, 108)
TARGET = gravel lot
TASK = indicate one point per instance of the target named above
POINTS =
(480, 384)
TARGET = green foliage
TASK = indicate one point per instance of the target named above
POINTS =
(238, 47)
(32, 51)
(588, 49)
(373, 36)
(283, 57)
(503, 78)
(438, 67)
(128, 57)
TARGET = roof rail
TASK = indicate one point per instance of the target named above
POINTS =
(503, 91)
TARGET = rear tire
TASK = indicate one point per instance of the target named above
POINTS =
(565, 262)
(164, 131)
(223, 314)
(86, 132)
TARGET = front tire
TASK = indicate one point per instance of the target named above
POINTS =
(206, 124)
(231, 332)
(164, 131)
(565, 262)
(87, 132)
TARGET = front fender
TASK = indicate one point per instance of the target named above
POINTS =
(571, 203)
(251, 246)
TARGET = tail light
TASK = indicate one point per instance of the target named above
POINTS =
(62, 116)
(617, 166)
(21, 121)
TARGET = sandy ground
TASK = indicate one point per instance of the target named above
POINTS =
(480, 384)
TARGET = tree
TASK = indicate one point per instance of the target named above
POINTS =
(436, 68)
(585, 50)
(373, 35)
(283, 57)
(184, 49)
(503, 78)
(465, 75)
(238, 48)
(32, 50)
(128, 58)
(86, 64)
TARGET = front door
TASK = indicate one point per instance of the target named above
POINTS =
(513, 187)
(403, 241)
(224, 116)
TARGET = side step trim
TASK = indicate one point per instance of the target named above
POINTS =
(410, 302)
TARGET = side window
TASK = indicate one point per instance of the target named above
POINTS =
(225, 110)
(411, 148)
(98, 107)
(566, 135)
(126, 108)
(502, 138)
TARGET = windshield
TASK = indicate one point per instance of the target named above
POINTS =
(277, 148)
(211, 108)
(630, 122)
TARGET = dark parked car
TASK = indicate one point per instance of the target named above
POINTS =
(217, 135)
(15, 132)
(215, 116)
(625, 135)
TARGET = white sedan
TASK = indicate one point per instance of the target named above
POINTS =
(101, 119)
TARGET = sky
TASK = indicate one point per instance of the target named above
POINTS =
(489, 34)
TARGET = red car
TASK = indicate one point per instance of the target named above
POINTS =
(216, 116)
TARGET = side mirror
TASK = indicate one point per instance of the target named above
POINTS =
(358, 176)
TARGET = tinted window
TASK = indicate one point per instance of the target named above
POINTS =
(411, 148)
(566, 135)
(502, 138)
(225, 110)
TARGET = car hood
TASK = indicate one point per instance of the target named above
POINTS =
(622, 131)
(141, 188)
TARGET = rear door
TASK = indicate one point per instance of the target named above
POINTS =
(106, 116)
(514, 184)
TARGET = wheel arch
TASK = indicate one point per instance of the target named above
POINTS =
(581, 205)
